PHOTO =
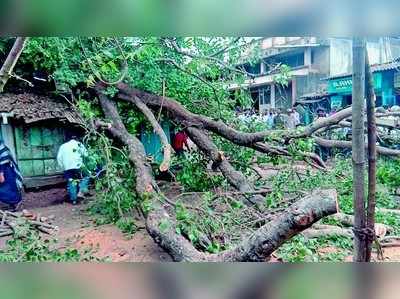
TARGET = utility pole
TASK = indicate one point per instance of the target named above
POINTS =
(358, 149)
(371, 122)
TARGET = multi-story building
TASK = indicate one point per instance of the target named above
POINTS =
(311, 61)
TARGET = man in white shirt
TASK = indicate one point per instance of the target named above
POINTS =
(296, 116)
(70, 159)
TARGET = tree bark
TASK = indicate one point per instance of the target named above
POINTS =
(261, 244)
(187, 119)
(371, 121)
(11, 61)
(137, 155)
(328, 232)
(159, 131)
(234, 177)
(358, 148)
(161, 226)
(331, 143)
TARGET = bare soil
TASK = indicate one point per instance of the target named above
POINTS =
(77, 230)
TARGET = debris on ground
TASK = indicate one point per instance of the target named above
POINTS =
(12, 223)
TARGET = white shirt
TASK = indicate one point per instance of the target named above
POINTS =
(296, 118)
(70, 155)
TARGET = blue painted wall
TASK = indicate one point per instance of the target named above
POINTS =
(152, 143)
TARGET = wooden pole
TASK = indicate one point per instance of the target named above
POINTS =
(371, 121)
(358, 151)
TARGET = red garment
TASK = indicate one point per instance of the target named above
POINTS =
(179, 140)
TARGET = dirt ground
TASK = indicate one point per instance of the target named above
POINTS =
(77, 230)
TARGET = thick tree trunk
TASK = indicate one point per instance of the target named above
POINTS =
(358, 148)
(371, 120)
(11, 61)
(260, 245)
(137, 154)
(294, 220)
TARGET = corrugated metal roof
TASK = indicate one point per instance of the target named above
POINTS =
(314, 95)
(32, 108)
(388, 66)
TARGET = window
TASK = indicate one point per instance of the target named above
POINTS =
(292, 60)
(312, 56)
(252, 68)
(265, 96)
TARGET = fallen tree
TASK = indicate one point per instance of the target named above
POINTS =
(260, 141)
(200, 128)
(260, 245)
(161, 225)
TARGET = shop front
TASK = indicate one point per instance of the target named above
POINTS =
(340, 90)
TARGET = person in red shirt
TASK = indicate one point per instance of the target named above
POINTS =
(180, 140)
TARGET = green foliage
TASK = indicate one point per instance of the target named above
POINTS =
(186, 223)
(115, 197)
(88, 109)
(388, 173)
(283, 77)
(300, 249)
(127, 225)
(194, 175)
(145, 62)
(28, 246)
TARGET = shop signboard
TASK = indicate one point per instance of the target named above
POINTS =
(345, 85)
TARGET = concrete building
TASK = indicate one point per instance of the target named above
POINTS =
(310, 61)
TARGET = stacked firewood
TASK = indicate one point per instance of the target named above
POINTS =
(12, 222)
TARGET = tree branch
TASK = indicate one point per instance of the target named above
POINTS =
(11, 60)
(188, 119)
(347, 144)
(161, 226)
(234, 177)
(159, 131)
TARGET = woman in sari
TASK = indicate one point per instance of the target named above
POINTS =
(10, 179)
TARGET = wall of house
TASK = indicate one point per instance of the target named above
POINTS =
(380, 50)
(309, 84)
(152, 143)
(321, 60)
(36, 148)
